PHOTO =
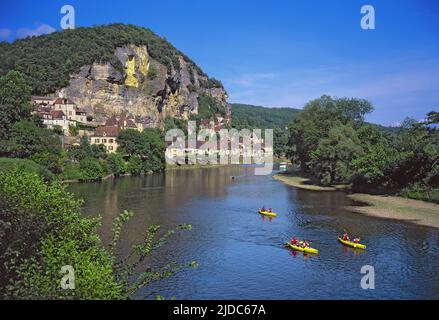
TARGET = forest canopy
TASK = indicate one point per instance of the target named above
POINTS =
(48, 61)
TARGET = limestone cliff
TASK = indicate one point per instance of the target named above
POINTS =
(144, 87)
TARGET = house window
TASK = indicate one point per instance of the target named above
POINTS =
(110, 147)
(110, 140)
(96, 140)
(104, 140)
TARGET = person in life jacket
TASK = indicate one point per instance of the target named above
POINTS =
(294, 241)
(345, 237)
(263, 209)
(305, 244)
(356, 240)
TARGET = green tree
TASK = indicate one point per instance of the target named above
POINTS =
(331, 161)
(86, 150)
(15, 101)
(116, 164)
(41, 230)
(317, 119)
(135, 165)
(91, 170)
(28, 141)
(73, 130)
(148, 146)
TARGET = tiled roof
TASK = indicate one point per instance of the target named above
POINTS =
(63, 101)
(57, 114)
(107, 132)
(111, 122)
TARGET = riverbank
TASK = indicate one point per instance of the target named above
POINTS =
(193, 166)
(383, 206)
(305, 182)
(393, 207)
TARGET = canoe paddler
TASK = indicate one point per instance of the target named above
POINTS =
(263, 209)
(305, 244)
(345, 237)
(294, 241)
(356, 240)
(270, 210)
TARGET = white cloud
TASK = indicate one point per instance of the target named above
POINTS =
(250, 80)
(37, 31)
(5, 33)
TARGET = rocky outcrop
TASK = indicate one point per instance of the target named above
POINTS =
(143, 87)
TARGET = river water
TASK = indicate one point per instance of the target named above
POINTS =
(240, 253)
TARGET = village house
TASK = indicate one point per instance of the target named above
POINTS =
(53, 118)
(42, 101)
(106, 136)
(67, 106)
(80, 115)
(253, 152)
(59, 112)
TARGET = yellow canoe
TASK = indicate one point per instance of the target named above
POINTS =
(271, 214)
(352, 244)
(302, 249)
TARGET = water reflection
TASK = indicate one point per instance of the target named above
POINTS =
(233, 243)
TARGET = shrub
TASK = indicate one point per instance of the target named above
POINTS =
(26, 165)
(116, 164)
(91, 170)
(134, 165)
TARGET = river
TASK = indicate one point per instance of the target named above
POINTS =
(240, 253)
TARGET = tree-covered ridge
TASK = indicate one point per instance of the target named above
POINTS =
(249, 116)
(48, 61)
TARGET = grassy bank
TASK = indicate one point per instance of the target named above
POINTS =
(383, 206)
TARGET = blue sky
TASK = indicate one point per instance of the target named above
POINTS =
(280, 52)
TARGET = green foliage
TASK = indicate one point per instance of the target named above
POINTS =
(7, 164)
(135, 165)
(330, 139)
(71, 171)
(175, 123)
(116, 164)
(420, 192)
(210, 83)
(433, 117)
(48, 61)
(86, 150)
(41, 231)
(91, 170)
(28, 141)
(254, 117)
(59, 236)
(315, 121)
(58, 130)
(147, 146)
(152, 73)
(15, 98)
(207, 108)
(331, 160)
(131, 142)
(73, 130)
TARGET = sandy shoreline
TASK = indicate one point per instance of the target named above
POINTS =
(390, 207)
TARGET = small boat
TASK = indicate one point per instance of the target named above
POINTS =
(352, 244)
(267, 213)
(302, 249)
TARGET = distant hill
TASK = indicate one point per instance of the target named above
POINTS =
(249, 116)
